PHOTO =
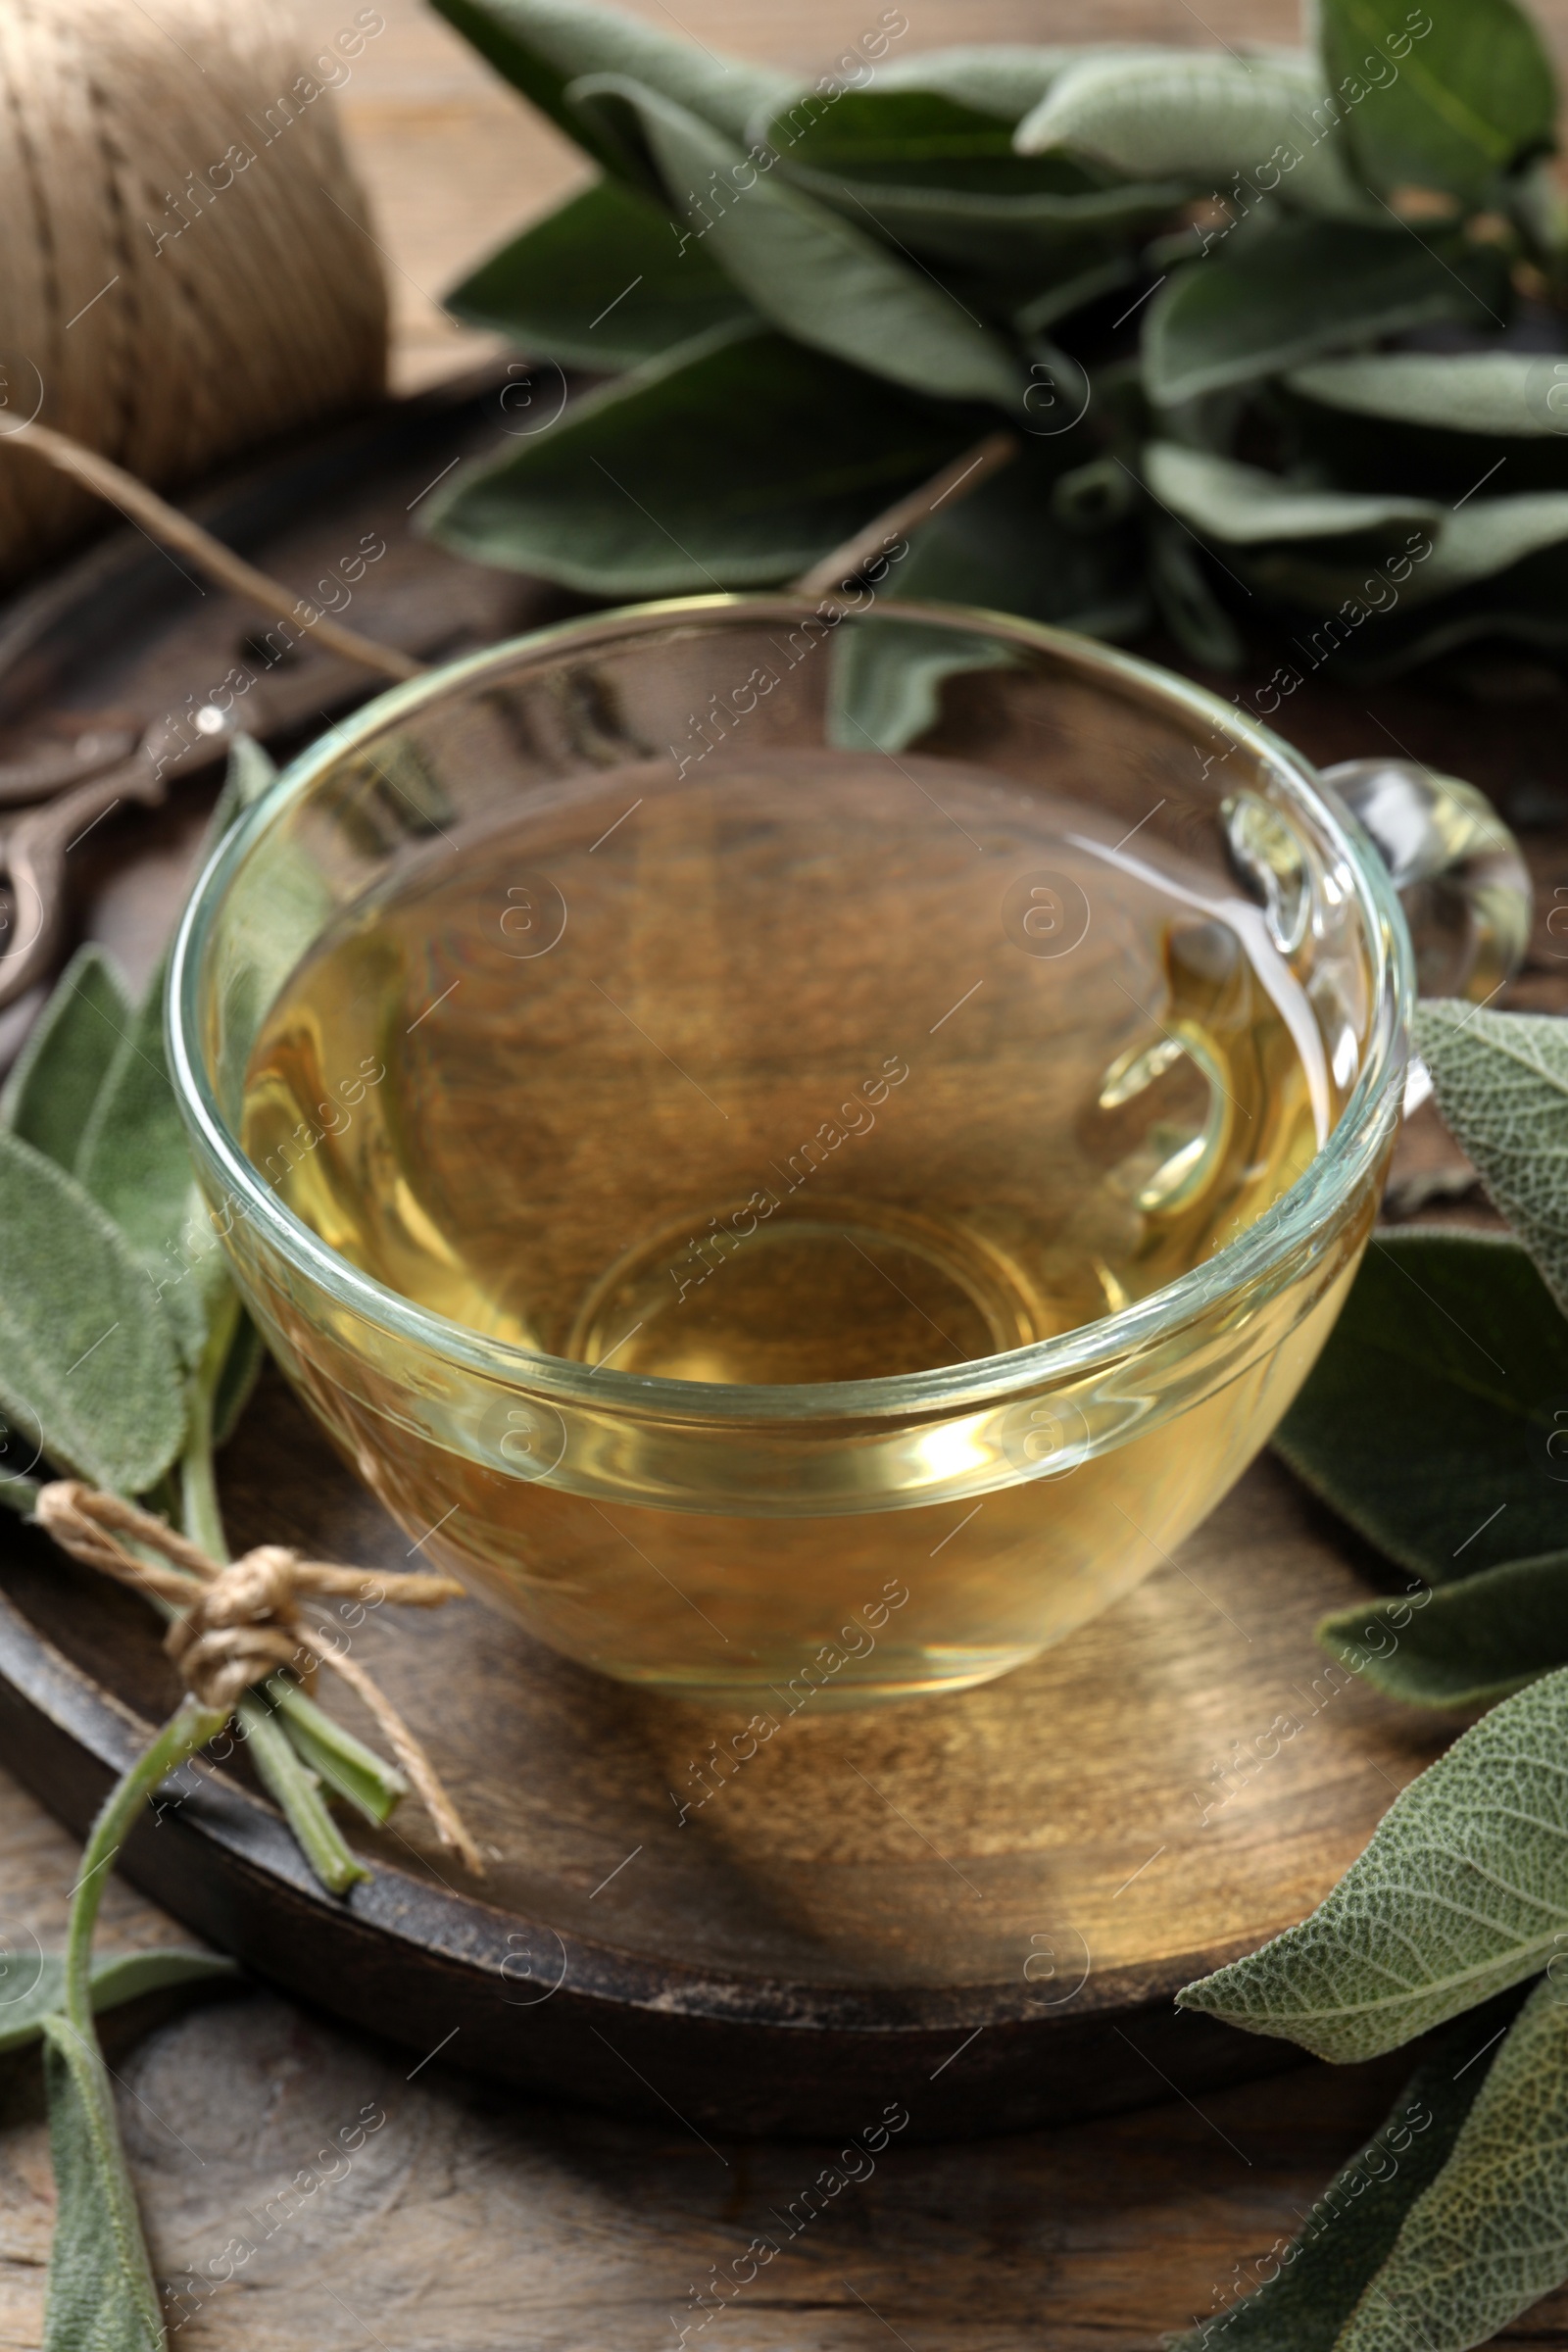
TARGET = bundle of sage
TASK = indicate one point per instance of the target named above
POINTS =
(1437, 1423)
(125, 1358)
(1277, 331)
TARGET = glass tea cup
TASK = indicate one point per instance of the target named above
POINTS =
(800, 1153)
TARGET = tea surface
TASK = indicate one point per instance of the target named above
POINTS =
(769, 1086)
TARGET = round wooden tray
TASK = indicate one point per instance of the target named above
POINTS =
(976, 1908)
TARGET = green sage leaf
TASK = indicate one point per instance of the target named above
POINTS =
(1320, 2277)
(1008, 549)
(1485, 392)
(733, 462)
(1490, 2233)
(33, 1988)
(1301, 288)
(1465, 1646)
(1207, 120)
(87, 1355)
(830, 284)
(999, 77)
(1427, 1418)
(50, 1092)
(1244, 507)
(606, 281)
(1453, 107)
(885, 681)
(1501, 1081)
(1462, 1892)
(543, 46)
(101, 2289)
(932, 175)
(135, 1162)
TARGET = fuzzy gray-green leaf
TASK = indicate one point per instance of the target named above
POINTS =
(1453, 107)
(1244, 507)
(603, 282)
(1426, 1420)
(1352, 2227)
(51, 1091)
(1500, 393)
(86, 1351)
(1501, 1081)
(1464, 1645)
(1203, 118)
(101, 2292)
(733, 462)
(1302, 288)
(1491, 2234)
(828, 284)
(1462, 1892)
(31, 1987)
(135, 1162)
(543, 46)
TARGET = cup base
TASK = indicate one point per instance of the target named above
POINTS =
(932, 1673)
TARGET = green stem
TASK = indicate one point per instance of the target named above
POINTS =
(286, 1775)
(198, 1479)
(349, 1769)
(189, 1727)
(298, 1794)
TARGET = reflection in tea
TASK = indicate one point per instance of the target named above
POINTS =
(825, 1067)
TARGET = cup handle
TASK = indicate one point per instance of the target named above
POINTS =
(1459, 873)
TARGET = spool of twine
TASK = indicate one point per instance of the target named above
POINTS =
(186, 267)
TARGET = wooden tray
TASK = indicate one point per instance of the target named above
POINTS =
(979, 1907)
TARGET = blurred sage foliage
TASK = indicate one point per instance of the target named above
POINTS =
(1279, 332)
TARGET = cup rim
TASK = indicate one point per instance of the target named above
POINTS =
(1309, 1205)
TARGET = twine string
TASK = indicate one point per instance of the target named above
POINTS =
(243, 1621)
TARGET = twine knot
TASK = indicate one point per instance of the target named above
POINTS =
(242, 1621)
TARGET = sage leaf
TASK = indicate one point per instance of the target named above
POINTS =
(1490, 536)
(1453, 107)
(542, 47)
(1501, 1081)
(1244, 507)
(936, 177)
(603, 282)
(133, 1155)
(885, 681)
(1187, 601)
(1461, 1892)
(1465, 1646)
(1490, 2233)
(88, 1356)
(241, 1369)
(135, 1162)
(33, 1989)
(1008, 549)
(1000, 78)
(1209, 120)
(1485, 392)
(101, 2290)
(1321, 2275)
(1427, 1418)
(732, 463)
(1304, 289)
(829, 283)
(58, 1073)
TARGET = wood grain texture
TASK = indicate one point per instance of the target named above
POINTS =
(474, 2219)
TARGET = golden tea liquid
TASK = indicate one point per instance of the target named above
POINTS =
(821, 1067)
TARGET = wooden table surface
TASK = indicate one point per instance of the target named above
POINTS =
(469, 2220)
